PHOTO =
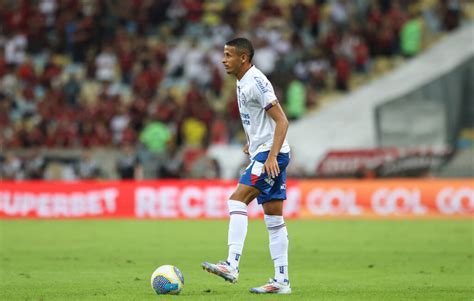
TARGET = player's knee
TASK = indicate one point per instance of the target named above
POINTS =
(245, 194)
(273, 208)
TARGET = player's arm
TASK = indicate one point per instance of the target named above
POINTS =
(277, 114)
(246, 149)
(247, 145)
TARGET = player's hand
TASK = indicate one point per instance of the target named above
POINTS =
(271, 166)
(246, 149)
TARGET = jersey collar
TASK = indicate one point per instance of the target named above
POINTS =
(246, 74)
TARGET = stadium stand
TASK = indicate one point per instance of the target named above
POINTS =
(422, 103)
(79, 75)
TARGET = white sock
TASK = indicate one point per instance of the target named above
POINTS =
(281, 274)
(237, 231)
(278, 236)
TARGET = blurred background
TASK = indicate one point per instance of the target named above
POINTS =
(112, 89)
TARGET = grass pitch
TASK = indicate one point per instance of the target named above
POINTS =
(329, 259)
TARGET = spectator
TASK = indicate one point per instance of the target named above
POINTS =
(411, 37)
(15, 48)
(361, 56)
(194, 64)
(126, 56)
(219, 131)
(118, 124)
(299, 13)
(87, 167)
(172, 166)
(51, 72)
(386, 40)
(397, 17)
(339, 13)
(265, 56)
(204, 167)
(128, 165)
(3, 62)
(231, 14)
(148, 79)
(318, 69)
(295, 100)
(11, 168)
(343, 73)
(314, 13)
(48, 9)
(72, 90)
(154, 136)
(35, 165)
(451, 10)
(194, 132)
(105, 64)
(165, 108)
(26, 72)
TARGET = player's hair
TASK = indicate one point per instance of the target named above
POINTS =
(242, 45)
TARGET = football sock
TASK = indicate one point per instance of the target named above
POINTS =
(281, 274)
(237, 231)
(278, 237)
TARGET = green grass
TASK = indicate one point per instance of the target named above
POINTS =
(329, 259)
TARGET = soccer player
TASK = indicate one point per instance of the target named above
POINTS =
(265, 125)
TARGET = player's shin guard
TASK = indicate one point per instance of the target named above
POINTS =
(237, 231)
(278, 246)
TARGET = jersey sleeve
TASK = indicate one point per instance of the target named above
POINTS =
(264, 93)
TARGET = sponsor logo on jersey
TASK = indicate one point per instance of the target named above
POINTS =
(242, 99)
(262, 85)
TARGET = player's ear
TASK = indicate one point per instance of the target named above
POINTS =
(243, 57)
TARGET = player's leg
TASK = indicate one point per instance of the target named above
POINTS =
(272, 202)
(238, 223)
(278, 238)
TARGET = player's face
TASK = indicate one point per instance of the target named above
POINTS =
(232, 60)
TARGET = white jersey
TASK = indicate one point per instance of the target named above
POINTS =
(255, 96)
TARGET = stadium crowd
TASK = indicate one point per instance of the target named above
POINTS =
(84, 73)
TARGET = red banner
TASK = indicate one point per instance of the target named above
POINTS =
(382, 162)
(194, 199)
(385, 198)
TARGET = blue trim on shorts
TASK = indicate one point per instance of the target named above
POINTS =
(270, 189)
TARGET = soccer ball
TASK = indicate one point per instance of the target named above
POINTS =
(167, 279)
